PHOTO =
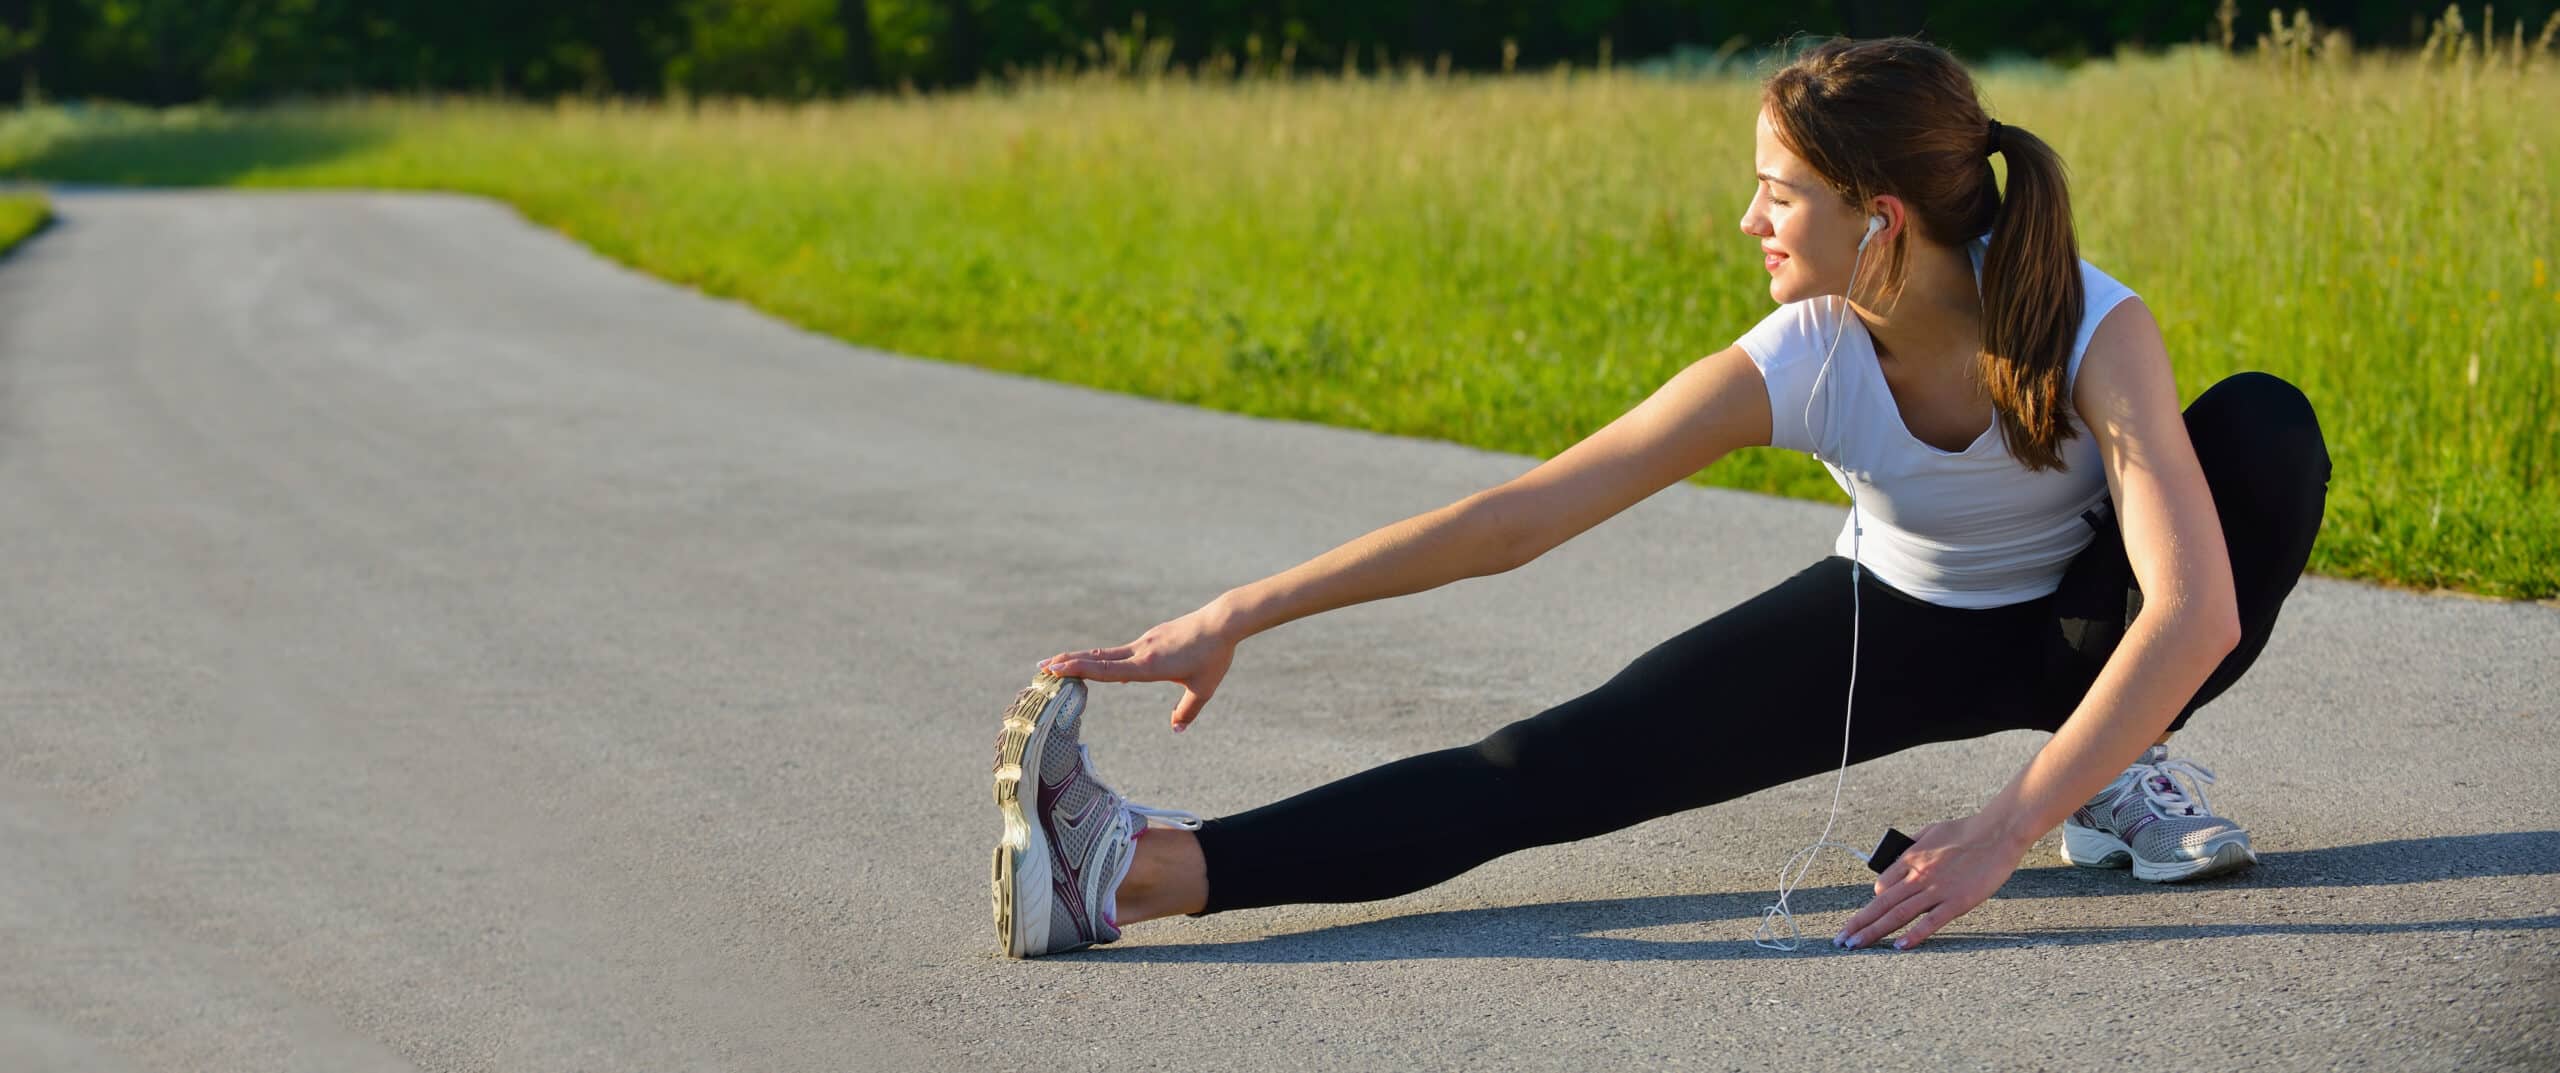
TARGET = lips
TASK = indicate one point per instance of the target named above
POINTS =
(1771, 261)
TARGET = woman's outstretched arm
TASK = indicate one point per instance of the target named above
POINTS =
(1716, 404)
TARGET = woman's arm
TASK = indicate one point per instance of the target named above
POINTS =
(2189, 622)
(2190, 619)
(1715, 405)
(1701, 414)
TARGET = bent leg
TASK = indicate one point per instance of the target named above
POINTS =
(2262, 453)
(1747, 700)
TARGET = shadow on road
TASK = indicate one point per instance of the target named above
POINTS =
(1567, 930)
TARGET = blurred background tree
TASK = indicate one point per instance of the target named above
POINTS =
(173, 51)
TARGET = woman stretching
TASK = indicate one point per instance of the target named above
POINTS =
(2047, 541)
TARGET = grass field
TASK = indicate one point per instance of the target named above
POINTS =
(20, 216)
(1512, 262)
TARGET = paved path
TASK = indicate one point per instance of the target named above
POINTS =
(427, 646)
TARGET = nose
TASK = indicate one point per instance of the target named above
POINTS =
(1754, 222)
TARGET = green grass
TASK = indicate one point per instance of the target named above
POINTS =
(21, 215)
(1513, 262)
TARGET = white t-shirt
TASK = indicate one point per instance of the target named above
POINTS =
(1970, 529)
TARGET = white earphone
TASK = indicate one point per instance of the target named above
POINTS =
(1875, 223)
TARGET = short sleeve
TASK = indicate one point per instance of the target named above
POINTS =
(1787, 347)
(2100, 295)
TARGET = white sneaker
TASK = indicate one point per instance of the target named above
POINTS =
(2164, 830)
(1059, 865)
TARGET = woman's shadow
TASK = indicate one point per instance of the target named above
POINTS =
(1569, 930)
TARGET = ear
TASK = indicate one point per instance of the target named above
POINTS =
(1895, 212)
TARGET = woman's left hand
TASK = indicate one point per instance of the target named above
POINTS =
(1947, 871)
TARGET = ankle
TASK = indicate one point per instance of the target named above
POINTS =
(1169, 877)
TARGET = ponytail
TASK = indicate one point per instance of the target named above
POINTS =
(2031, 302)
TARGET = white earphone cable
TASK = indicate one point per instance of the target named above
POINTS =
(1778, 912)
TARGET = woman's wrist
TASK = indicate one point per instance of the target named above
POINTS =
(1229, 616)
(2011, 826)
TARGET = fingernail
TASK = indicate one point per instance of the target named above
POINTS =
(1902, 944)
(1850, 944)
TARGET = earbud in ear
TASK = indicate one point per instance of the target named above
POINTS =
(1874, 224)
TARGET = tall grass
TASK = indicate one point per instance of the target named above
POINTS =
(1512, 262)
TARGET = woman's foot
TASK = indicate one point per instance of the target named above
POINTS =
(1068, 844)
(2165, 831)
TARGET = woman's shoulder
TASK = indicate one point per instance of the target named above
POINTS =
(1790, 330)
(2100, 296)
(2099, 291)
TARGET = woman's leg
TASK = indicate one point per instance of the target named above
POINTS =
(2269, 468)
(1749, 699)
(2264, 458)
(1167, 877)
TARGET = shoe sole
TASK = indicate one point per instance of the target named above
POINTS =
(1022, 855)
(2090, 848)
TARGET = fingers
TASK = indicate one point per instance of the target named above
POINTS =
(1100, 670)
(1888, 911)
(1902, 912)
(1124, 663)
(1894, 873)
(1084, 664)
(1921, 907)
(1189, 709)
(1927, 925)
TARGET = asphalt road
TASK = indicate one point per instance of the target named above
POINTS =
(426, 645)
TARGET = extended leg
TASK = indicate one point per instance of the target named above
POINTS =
(1749, 699)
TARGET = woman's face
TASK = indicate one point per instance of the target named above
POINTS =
(1808, 235)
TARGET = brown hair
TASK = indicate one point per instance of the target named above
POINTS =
(1899, 116)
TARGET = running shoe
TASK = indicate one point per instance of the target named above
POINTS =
(2149, 820)
(1068, 844)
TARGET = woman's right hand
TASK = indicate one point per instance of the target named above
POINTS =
(1185, 650)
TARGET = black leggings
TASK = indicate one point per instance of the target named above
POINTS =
(1765, 683)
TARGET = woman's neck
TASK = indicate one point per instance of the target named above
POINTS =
(1937, 323)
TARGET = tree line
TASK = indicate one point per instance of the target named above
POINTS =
(173, 51)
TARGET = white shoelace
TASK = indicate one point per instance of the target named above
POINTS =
(2168, 798)
(1170, 817)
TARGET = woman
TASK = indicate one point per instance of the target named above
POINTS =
(2023, 483)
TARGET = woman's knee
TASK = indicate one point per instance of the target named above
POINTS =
(1576, 751)
(1532, 750)
(2259, 423)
